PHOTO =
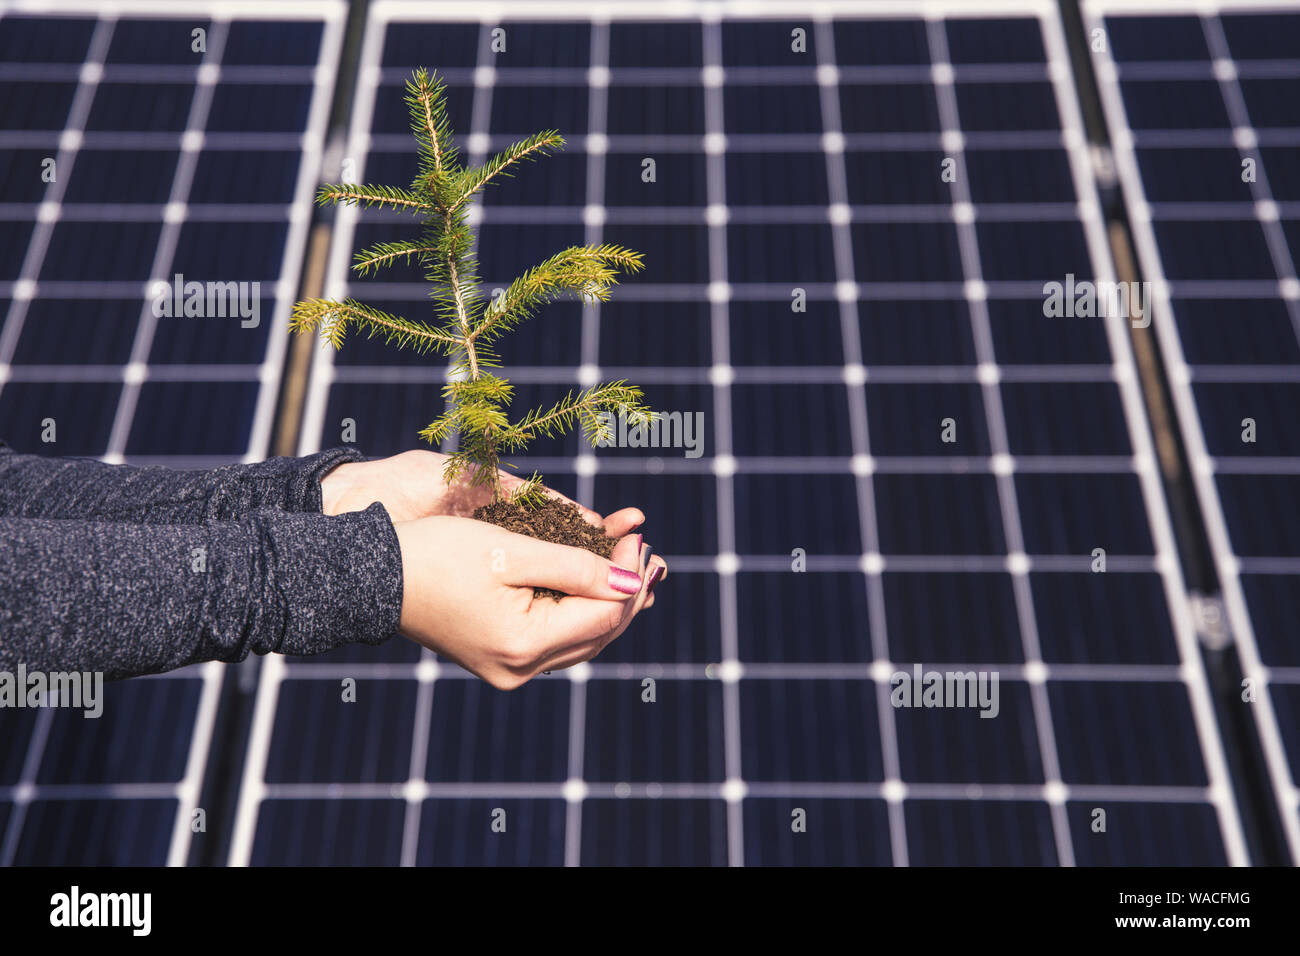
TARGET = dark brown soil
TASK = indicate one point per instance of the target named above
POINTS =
(559, 522)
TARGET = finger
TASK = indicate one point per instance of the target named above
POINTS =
(575, 571)
(621, 522)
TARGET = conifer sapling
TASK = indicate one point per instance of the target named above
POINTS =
(468, 325)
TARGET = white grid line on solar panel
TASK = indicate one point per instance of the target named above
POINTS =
(323, 384)
(187, 790)
(1203, 465)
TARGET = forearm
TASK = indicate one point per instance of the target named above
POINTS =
(32, 486)
(128, 599)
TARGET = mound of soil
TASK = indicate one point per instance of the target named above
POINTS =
(559, 522)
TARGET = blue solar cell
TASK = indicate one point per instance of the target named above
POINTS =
(77, 332)
(230, 251)
(1261, 35)
(140, 107)
(20, 173)
(366, 740)
(244, 176)
(1018, 335)
(1105, 730)
(1174, 104)
(790, 252)
(957, 745)
(673, 254)
(273, 43)
(679, 179)
(652, 334)
(15, 733)
(97, 832)
(1065, 418)
(437, 46)
(82, 412)
(897, 176)
(938, 514)
(915, 332)
(120, 746)
(1260, 513)
(505, 251)
(906, 252)
(1225, 406)
(911, 419)
(329, 832)
(122, 176)
(788, 108)
(44, 39)
(1007, 106)
(157, 41)
(655, 44)
(1192, 174)
(1213, 249)
(1156, 38)
(774, 419)
(837, 832)
(809, 617)
(1042, 250)
(392, 115)
(193, 417)
(776, 179)
(544, 45)
(35, 105)
(767, 43)
(650, 110)
(654, 833)
(1286, 698)
(1274, 603)
(559, 180)
(1147, 834)
(530, 727)
(930, 616)
(777, 513)
(888, 108)
(881, 42)
(384, 417)
(522, 110)
(1019, 175)
(979, 833)
(772, 333)
(259, 107)
(810, 730)
(552, 337)
(1283, 166)
(1088, 617)
(492, 832)
(1074, 513)
(214, 340)
(1272, 101)
(1004, 40)
(91, 250)
(631, 740)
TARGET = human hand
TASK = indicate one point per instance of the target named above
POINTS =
(468, 595)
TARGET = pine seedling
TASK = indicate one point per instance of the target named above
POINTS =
(467, 325)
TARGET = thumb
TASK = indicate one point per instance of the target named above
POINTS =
(577, 571)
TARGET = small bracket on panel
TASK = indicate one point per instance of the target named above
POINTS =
(1210, 618)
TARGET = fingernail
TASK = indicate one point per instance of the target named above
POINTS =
(623, 580)
(655, 575)
(640, 539)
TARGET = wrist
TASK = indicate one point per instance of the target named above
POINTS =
(334, 486)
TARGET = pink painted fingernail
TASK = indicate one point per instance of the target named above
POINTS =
(655, 575)
(621, 579)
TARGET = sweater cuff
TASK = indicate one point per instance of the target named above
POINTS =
(339, 578)
(290, 484)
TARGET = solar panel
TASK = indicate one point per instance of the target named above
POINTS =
(828, 536)
(136, 147)
(1201, 106)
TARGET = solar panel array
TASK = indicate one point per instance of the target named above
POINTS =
(777, 171)
(1204, 110)
(848, 219)
(135, 148)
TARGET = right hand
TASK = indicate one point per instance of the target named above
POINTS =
(468, 595)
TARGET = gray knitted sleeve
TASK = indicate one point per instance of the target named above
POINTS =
(32, 486)
(137, 571)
